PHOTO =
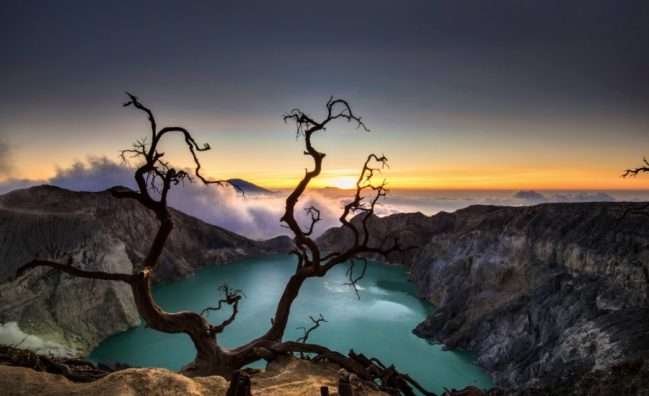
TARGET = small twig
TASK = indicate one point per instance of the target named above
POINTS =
(350, 273)
(316, 324)
(315, 217)
(232, 297)
(635, 171)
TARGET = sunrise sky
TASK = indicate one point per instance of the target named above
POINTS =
(457, 94)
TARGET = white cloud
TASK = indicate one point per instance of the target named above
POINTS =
(97, 174)
(583, 197)
(11, 335)
(255, 216)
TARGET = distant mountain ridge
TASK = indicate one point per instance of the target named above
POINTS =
(248, 187)
(99, 232)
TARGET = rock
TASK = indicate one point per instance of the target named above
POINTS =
(627, 377)
(99, 232)
(544, 294)
(113, 365)
(25, 373)
(239, 384)
(24, 381)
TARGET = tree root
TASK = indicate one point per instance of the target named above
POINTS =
(358, 366)
(357, 369)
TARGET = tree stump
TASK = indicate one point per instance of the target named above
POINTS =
(239, 384)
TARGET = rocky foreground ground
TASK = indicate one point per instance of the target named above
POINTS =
(292, 377)
(27, 373)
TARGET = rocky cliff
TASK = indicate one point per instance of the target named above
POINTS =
(543, 294)
(99, 232)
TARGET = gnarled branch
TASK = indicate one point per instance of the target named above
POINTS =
(311, 263)
(367, 369)
(353, 280)
(155, 177)
(316, 324)
(635, 171)
(232, 297)
(641, 210)
(69, 269)
(156, 174)
(314, 213)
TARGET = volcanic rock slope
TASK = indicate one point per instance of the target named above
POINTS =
(543, 294)
(99, 232)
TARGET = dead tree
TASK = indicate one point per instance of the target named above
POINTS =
(155, 178)
(633, 172)
(642, 208)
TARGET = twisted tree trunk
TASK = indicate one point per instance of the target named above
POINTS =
(156, 177)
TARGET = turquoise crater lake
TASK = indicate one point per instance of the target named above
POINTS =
(378, 325)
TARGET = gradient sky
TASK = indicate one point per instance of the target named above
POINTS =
(458, 94)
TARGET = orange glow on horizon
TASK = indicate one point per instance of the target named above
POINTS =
(468, 184)
(445, 178)
(342, 182)
(533, 180)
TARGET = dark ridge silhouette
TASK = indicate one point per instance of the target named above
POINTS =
(248, 187)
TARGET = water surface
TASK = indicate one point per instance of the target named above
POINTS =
(378, 325)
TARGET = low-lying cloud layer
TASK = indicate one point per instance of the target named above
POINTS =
(534, 197)
(257, 216)
(98, 174)
(10, 334)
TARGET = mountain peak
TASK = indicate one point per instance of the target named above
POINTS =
(248, 187)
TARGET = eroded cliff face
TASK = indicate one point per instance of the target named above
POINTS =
(102, 233)
(542, 294)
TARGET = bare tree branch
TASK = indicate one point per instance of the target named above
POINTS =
(69, 269)
(154, 170)
(155, 177)
(310, 261)
(353, 280)
(641, 210)
(316, 324)
(232, 297)
(635, 171)
(314, 213)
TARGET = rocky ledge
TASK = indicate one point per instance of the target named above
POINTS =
(288, 377)
(543, 294)
(51, 311)
(26, 373)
